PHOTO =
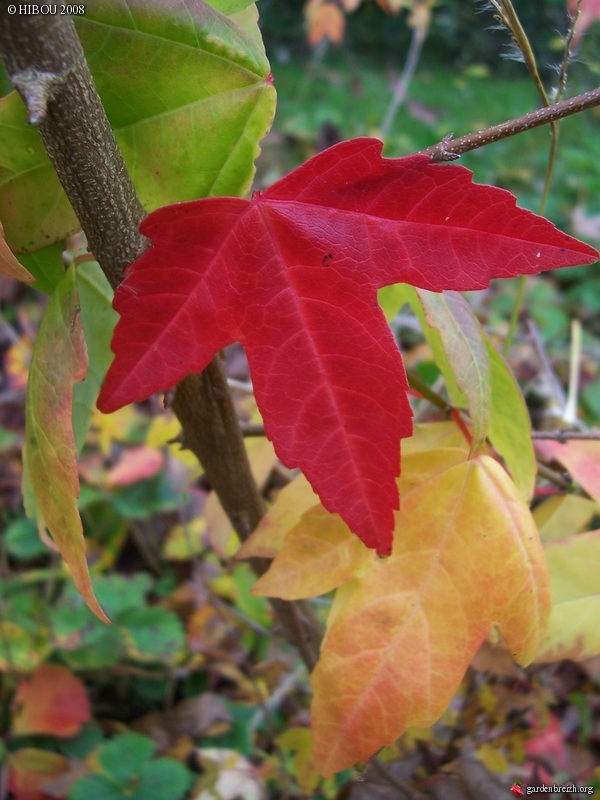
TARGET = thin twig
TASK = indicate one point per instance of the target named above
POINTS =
(252, 429)
(567, 435)
(449, 149)
(558, 393)
(550, 475)
(569, 414)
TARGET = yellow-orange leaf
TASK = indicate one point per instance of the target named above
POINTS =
(50, 456)
(318, 555)
(401, 635)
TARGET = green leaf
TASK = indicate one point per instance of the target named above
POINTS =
(510, 425)
(80, 746)
(153, 634)
(163, 778)
(46, 265)
(22, 540)
(84, 642)
(123, 758)
(144, 498)
(185, 88)
(230, 6)
(97, 787)
(118, 593)
(33, 207)
(99, 319)
(392, 298)
(466, 352)
(58, 359)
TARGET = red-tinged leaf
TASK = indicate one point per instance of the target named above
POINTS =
(293, 275)
(30, 770)
(135, 464)
(581, 457)
(53, 701)
(49, 454)
(9, 265)
(402, 633)
(465, 348)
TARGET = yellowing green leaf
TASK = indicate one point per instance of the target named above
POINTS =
(98, 319)
(59, 359)
(466, 351)
(165, 431)
(185, 540)
(434, 340)
(392, 298)
(434, 436)
(221, 534)
(401, 635)
(573, 630)
(564, 515)
(299, 741)
(510, 427)
(19, 651)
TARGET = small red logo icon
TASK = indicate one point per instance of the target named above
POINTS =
(516, 790)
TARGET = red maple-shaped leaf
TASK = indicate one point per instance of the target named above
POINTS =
(293, 275)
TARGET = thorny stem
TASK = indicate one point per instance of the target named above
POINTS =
(449, 149)
(45, 61)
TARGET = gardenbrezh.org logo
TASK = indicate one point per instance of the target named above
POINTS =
(517, 790)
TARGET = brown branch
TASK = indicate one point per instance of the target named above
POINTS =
(45, 61)
(450, 149)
